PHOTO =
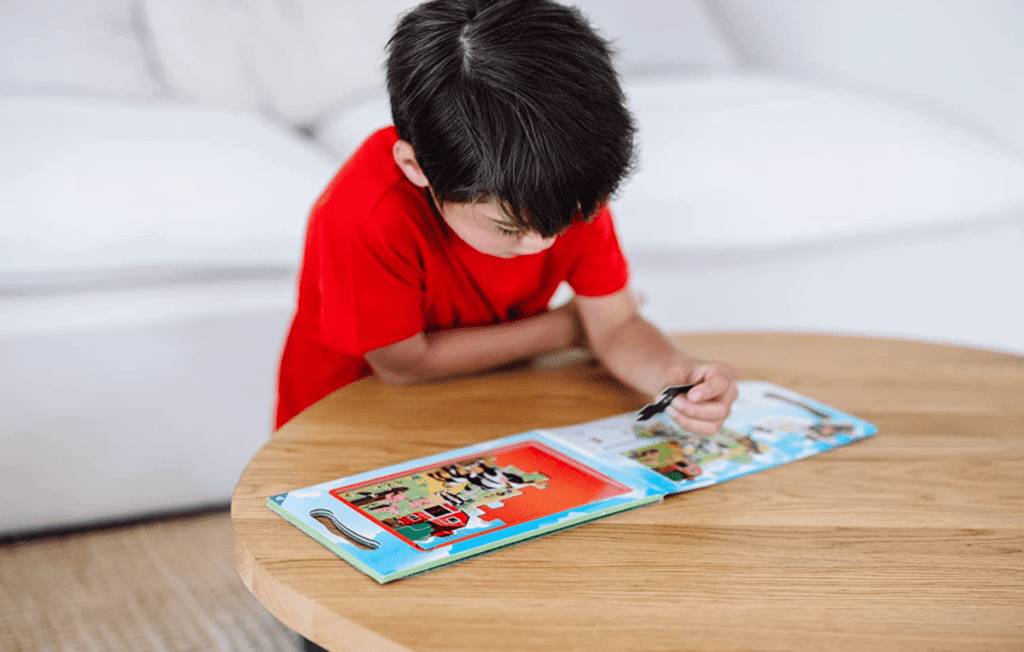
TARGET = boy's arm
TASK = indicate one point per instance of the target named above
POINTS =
(425, 357)
(639, 354)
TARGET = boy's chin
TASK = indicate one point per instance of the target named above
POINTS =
(503, 252)
(507, 255)
(498, 253)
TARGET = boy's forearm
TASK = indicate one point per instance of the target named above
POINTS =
(640, 355)
(474, 349)
(637, 353)
(466, 350)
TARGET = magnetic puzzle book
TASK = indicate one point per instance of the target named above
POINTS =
(412, 517)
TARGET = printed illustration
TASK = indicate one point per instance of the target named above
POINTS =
(682, 457)
(461, 498)
(649, 429)
(769, 426)
(667, 458)
(821, 428)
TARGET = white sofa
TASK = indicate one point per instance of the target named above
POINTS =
(159, 160)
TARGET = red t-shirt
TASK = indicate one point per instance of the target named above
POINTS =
(380, 266)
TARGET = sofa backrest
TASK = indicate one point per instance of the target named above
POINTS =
(960, 58)
(77, 47)
(290, 60)
(300, 60)
(661, 36)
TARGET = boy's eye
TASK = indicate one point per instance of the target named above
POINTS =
(504, 230)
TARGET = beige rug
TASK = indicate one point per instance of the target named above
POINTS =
(167, 586)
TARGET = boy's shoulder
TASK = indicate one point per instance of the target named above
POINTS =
(370, 190)
(368, 174)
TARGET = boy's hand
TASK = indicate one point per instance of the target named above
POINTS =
(703, 409)
(638, 353)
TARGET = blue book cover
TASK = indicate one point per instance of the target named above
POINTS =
(415, 516)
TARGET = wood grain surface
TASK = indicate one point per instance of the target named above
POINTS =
(910, 540)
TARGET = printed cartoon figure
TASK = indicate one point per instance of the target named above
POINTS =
(727, 444)
(711, 447)
(668, 459)
(684, 457)
(441, 501)
(442, 520)
(652, 429)
(751, 444)
(387, 495)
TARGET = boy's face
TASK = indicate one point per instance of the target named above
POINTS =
(485, 227)
(481, 225)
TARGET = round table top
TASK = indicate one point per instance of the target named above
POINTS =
(912, 539)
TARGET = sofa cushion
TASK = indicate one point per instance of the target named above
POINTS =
(344, 130)
(290, 60)
(96, 47)
(739, 162)
(99, 188)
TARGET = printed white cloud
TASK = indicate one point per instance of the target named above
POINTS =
(477, 523)
(437, 553)
(570, 516)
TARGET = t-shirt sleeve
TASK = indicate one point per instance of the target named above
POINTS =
(370, 282)
(600, 267)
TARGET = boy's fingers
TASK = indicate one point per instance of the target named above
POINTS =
(715, 411)
(708, 389)
(716, 380)
(695, 425)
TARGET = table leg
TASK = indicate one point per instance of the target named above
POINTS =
(310, 646)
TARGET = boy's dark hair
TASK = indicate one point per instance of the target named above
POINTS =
(511, 100)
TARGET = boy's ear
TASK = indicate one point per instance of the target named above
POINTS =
(405, 156)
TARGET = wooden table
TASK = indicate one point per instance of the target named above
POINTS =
(910, 540)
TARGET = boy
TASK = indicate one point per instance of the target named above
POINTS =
(435, 250)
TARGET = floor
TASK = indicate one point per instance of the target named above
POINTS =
(165, 585)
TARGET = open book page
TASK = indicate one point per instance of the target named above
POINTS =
(769, 425)
(411, 517)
